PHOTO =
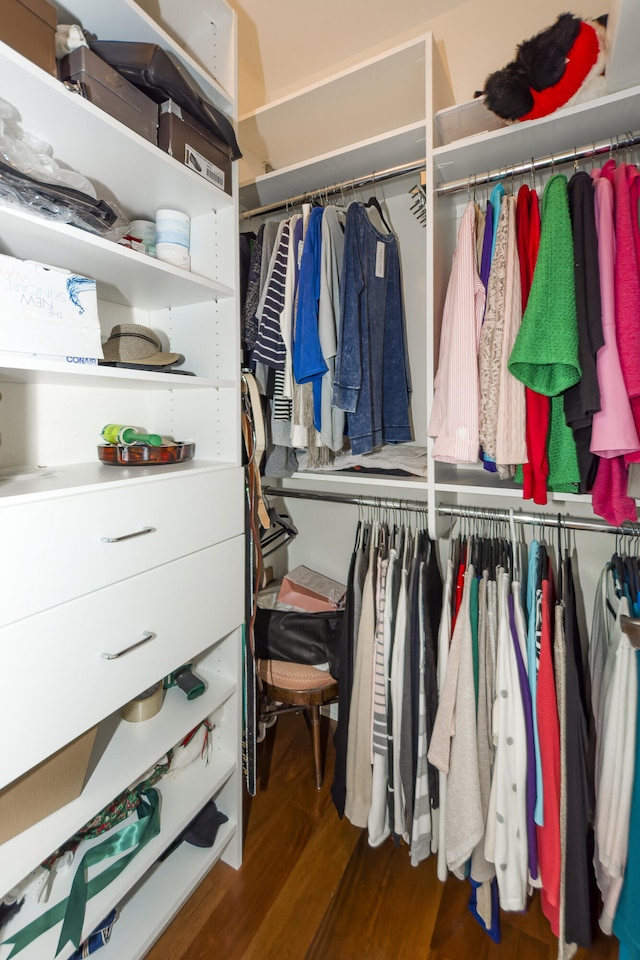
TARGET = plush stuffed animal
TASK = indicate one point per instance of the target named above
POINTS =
(563, 64)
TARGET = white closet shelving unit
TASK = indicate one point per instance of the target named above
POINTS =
(393, 100)
(571, 128)
(312, 141)
(68, 596)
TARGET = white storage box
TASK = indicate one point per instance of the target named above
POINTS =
(48, 312)
(466, 120)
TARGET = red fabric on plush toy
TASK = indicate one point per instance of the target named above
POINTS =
(581, 60)
(563, 64)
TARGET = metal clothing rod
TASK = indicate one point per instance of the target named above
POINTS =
(377, 177)
(395, 504)
(539, 519)
(472, 513)
(541, 163)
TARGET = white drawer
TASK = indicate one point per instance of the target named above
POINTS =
(58, 549)
(54, 681)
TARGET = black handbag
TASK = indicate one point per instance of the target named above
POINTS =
(299, 637)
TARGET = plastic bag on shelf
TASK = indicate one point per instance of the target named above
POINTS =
(34, 156)
(56, 202)
(31, 178)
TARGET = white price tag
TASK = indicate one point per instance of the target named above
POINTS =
(380, 259)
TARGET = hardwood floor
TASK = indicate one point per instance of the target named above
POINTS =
(311, 888)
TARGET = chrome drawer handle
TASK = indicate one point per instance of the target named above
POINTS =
(147, 635)
(128, 536)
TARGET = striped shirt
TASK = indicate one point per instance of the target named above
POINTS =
(270, 348)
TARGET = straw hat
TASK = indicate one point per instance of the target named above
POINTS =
(134, 343)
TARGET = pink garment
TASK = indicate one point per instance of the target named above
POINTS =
(609, 492)
(614, 431)
(455, 415)
(626, 282)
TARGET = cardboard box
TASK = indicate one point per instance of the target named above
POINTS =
(29, 26)
(191, 143)
(110, 91)
(45, 311)
(56, 781)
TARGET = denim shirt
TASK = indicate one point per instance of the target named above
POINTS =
(372, 382)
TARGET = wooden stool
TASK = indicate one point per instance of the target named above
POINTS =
(289, 686)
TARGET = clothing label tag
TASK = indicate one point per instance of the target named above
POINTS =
(300, 248)
(380, 259)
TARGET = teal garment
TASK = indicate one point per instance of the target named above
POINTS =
(545, 354)
(626, 924)
(532, 671)
(495, 200)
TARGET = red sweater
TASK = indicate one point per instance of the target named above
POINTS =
(549, 734)
(536, 471)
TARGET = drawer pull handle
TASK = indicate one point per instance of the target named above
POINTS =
(147, 635)
(128, 536)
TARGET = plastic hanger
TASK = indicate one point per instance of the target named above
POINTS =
(281, 532)
(373, 202)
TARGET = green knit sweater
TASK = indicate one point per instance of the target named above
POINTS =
(545, 354)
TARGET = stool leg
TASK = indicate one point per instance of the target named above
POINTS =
(314, 716)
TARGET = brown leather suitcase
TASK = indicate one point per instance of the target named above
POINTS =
(110, 91)
(29, 26)
(180, 135)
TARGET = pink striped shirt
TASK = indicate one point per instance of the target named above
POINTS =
(455, 414)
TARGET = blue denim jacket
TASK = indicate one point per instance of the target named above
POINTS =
(372, 381)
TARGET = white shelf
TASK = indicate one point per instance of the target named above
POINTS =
(123, 276)
(17, 369)
(140, 922)
(385, 484)
(399, 146)
(132, 749)
(307, 124)
(135, 173)
(181, 799)
(125, 19)
(86, 477)
(569, 127)
(473, 480)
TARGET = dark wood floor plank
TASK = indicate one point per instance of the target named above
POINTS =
(457, 935)
(311, 888)
(290, 925)
(383, 907)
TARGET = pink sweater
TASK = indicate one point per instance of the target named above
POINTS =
(455, 415)
(626, 282)
(614, 430)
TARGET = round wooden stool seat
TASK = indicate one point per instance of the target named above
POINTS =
(295, 677)
(286, 685)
